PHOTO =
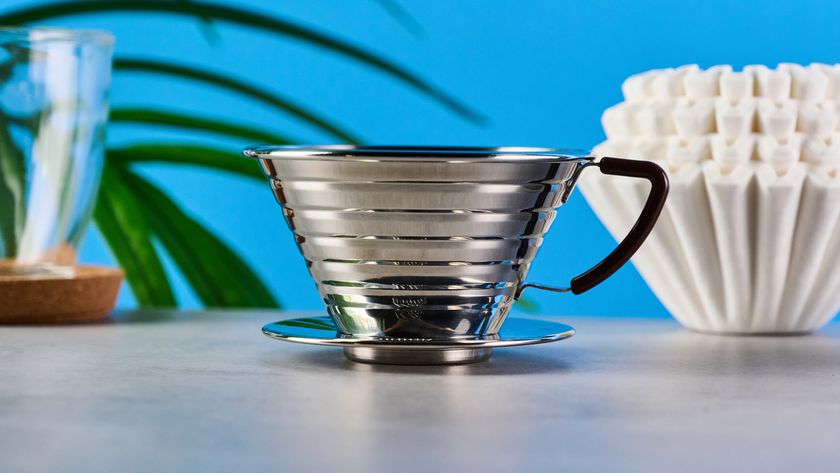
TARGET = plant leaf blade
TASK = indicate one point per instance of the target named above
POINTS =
(401, 16)
(235, 85)
(12, 192)
(243, 17)
(129, 238)
(187, 154)
(218, 275)
(151, 116)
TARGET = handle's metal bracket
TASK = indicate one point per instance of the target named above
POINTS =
(541, 286)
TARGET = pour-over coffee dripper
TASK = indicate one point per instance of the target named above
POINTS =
(420, 252)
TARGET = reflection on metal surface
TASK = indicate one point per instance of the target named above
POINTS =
(395, 350)
(419, 243)
(395, 356)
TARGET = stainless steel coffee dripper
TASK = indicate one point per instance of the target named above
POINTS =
(431, 243)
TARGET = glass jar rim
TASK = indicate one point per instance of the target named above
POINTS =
(52, 34)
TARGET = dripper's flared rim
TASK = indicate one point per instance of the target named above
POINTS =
(377, 153)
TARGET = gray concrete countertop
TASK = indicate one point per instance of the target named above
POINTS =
(169, 391)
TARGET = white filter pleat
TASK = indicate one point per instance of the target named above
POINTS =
(729, 201)
(821, 304)
(810, 84)
(679, 152)
(736, 86)
(730, 154)
(817, 120)
(778, 205)
(780, 153)
(777, 119)
(833, 74)
(638, 87)
(663, 248)
(818, 214)
(619, 121)
(702, 84)
(609, 206)
(603, 201)
(689, 210)
(822, 151)
(670, 82)
(772, 84)
(694, 117)
(655, 119)
(734, 119)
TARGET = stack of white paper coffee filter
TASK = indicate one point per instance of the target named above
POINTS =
(749, 240)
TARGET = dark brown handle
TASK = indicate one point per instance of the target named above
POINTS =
(644, 224)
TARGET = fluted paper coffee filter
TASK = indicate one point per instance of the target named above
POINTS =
(749, 240)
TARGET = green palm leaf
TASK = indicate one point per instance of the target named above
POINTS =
(218, 275)
(243, 17)
(120, 221)
(12, 191)
(271, 99)
(207, 27)
(148, 116)
(527, 305)
(187, 154)
(398, 13)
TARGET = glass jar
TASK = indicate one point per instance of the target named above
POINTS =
(54, 86)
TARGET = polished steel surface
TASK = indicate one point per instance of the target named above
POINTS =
(417, 351)
(440, 356)
(419, 242)
(416, 153)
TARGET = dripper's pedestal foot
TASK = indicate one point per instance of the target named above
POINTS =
(402, 356)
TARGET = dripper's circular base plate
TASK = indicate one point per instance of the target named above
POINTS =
(417, 351)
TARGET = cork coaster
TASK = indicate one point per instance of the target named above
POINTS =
(88, 296)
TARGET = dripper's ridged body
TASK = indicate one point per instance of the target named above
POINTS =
(419, 249)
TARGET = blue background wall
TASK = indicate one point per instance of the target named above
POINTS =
(542, 71)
